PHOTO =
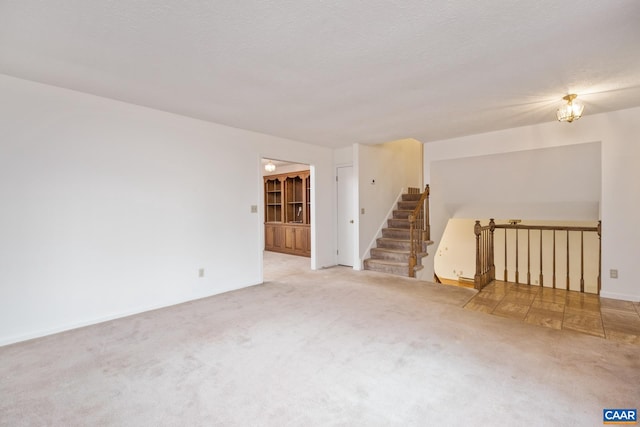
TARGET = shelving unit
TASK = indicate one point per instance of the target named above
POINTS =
(307, 184)
(295, 201)
(288, 213)
(273, 200)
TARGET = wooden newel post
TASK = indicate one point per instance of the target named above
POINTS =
(599, 254)
(413, 259)
(478, 277)
(427, 226)
(492, 265)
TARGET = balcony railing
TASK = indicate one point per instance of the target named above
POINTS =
(553, 244)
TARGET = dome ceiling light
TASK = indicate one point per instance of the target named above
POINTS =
(570, 111)
(270, 167)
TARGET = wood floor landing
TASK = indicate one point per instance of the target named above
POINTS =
(560, 309)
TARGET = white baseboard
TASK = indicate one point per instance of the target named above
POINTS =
(625, 297)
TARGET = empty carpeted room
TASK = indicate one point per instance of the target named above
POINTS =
(264, 213)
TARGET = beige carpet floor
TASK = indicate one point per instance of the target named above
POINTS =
(331, 347)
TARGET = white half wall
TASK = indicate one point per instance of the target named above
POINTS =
(110, 209)
(557, 183)
(617, 133)
(382, 172)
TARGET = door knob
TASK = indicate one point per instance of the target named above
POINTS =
(351, 221)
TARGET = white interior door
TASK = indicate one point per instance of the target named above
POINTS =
(346, 212)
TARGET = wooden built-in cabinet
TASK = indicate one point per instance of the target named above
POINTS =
(287, 211)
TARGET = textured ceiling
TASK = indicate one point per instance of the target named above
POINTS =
(335, 72)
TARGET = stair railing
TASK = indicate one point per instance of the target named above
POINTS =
(485, 265)
(419, 229)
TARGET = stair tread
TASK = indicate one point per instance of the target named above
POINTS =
(399, 251)
(395, 239)
(387, 262)
(396, 250)
(391, 264)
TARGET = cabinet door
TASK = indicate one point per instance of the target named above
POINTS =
(269, 237)
(300, 239)
(308, 243)
(294, 200)
(273, 237)
(278, 237)
(273, 200)
(289, 238)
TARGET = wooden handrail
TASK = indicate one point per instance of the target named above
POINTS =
(546, 227)
(419, 229)
(485, 268)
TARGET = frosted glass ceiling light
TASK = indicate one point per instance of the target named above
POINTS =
(270, 167)
(570, 111)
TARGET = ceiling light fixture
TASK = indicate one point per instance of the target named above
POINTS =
(570, 111)
(270, 167)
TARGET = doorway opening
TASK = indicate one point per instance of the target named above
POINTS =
(288, 217)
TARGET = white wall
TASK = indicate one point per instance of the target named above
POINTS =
(618, 133)
(393, 166)
(343, 156)
(557, 183)
(110, 209)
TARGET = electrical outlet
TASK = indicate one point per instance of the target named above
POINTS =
(254, 208)
(613, 273)
(201, 272)
(362, 211)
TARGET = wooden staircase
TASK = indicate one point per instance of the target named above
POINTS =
(393, 249)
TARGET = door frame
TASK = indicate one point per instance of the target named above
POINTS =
(260, 211)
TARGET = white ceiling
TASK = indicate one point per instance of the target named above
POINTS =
(335, 72)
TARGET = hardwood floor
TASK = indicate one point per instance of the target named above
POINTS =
(560, 309)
